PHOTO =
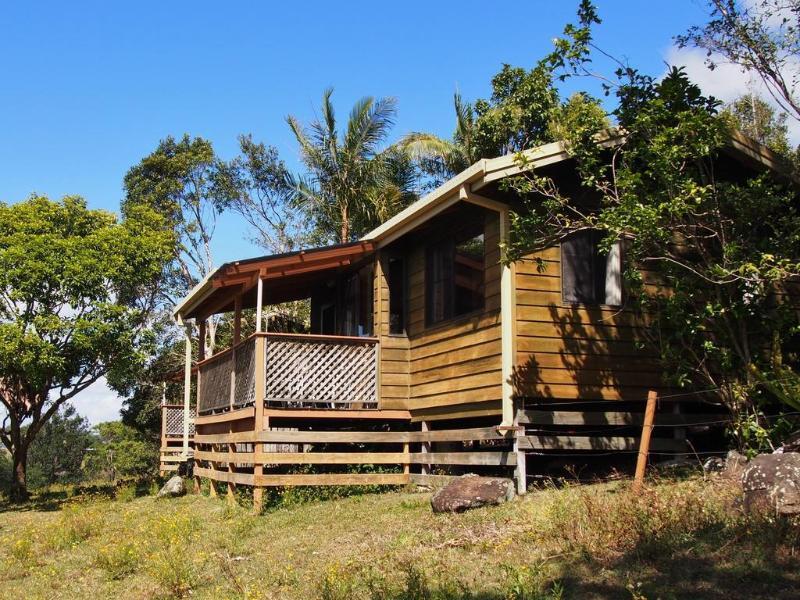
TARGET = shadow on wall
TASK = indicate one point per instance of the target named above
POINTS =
(580, 356)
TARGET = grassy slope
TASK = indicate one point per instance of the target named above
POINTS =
(679, 540)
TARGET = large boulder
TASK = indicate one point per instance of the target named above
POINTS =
(790, 444)
(772, 482)
(472, 491)
(173, 488)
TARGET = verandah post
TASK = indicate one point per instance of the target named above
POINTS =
(258, 399)
(237, 334)
(644, 445)
(161, 465)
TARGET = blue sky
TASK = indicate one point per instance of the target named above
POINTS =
(88, 89)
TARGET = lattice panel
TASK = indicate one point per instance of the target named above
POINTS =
(215, 383)
(321, 373)
(245, 386)
(174, 421)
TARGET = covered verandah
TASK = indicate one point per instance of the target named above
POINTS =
(280, 408)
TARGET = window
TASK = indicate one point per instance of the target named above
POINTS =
(358, 304)
(327, 317)
(589, 276)
(454, 274)
(396, 280)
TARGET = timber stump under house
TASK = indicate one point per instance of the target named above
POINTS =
(427, 356)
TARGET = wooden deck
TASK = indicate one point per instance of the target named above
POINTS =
(286, 410)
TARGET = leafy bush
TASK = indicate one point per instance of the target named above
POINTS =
(58, 450)
(122, 451)
(77, 523)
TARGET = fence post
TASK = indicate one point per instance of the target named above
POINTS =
(425, 468)
(644, 444)
(521, 472)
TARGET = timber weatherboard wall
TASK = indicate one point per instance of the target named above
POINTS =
(457, 362)
(394, 348)
(575, 351)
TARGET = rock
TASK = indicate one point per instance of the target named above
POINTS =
(791, 444)
(714, 465)
(772, 482)
(173, 488)
(471, 491)
(735, 462)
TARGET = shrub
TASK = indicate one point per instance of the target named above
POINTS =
(172, 564)
(604, 524)
(76, 525)
(126, 493)
(118, 559)
(21, 548)
(530, 583)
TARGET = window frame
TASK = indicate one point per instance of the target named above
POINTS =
(452, 240)
(603, 304)
(404, 294)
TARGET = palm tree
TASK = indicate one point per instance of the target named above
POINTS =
(351, 184)
(441, 158)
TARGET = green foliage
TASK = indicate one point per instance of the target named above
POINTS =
(77, 289)
(144, 390)
(351, 185)
(722, 243)
(517, 116)
(172, 563)
(518, 113)
(754, 117)
(122, 451)
(439, 158)
(180, 180)
(5, 472)
(57, 452)
(579, 114)
(118, 560)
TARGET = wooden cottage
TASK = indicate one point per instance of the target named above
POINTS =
(426, 355)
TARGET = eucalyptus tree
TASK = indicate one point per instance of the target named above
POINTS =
(77, 288)
(263, 192)
(181, 180)
(352, 183)
(761, 37)
(755, 117)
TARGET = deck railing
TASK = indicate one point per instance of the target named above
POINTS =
(172, 420)
(301, 371)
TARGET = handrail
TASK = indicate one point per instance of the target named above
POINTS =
(225, 352)
(318, 337)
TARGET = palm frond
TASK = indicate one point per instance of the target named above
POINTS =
(369, 124)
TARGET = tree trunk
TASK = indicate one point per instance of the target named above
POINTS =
(19, 483)
(345, 232)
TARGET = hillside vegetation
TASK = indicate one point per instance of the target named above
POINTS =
(678, 539)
